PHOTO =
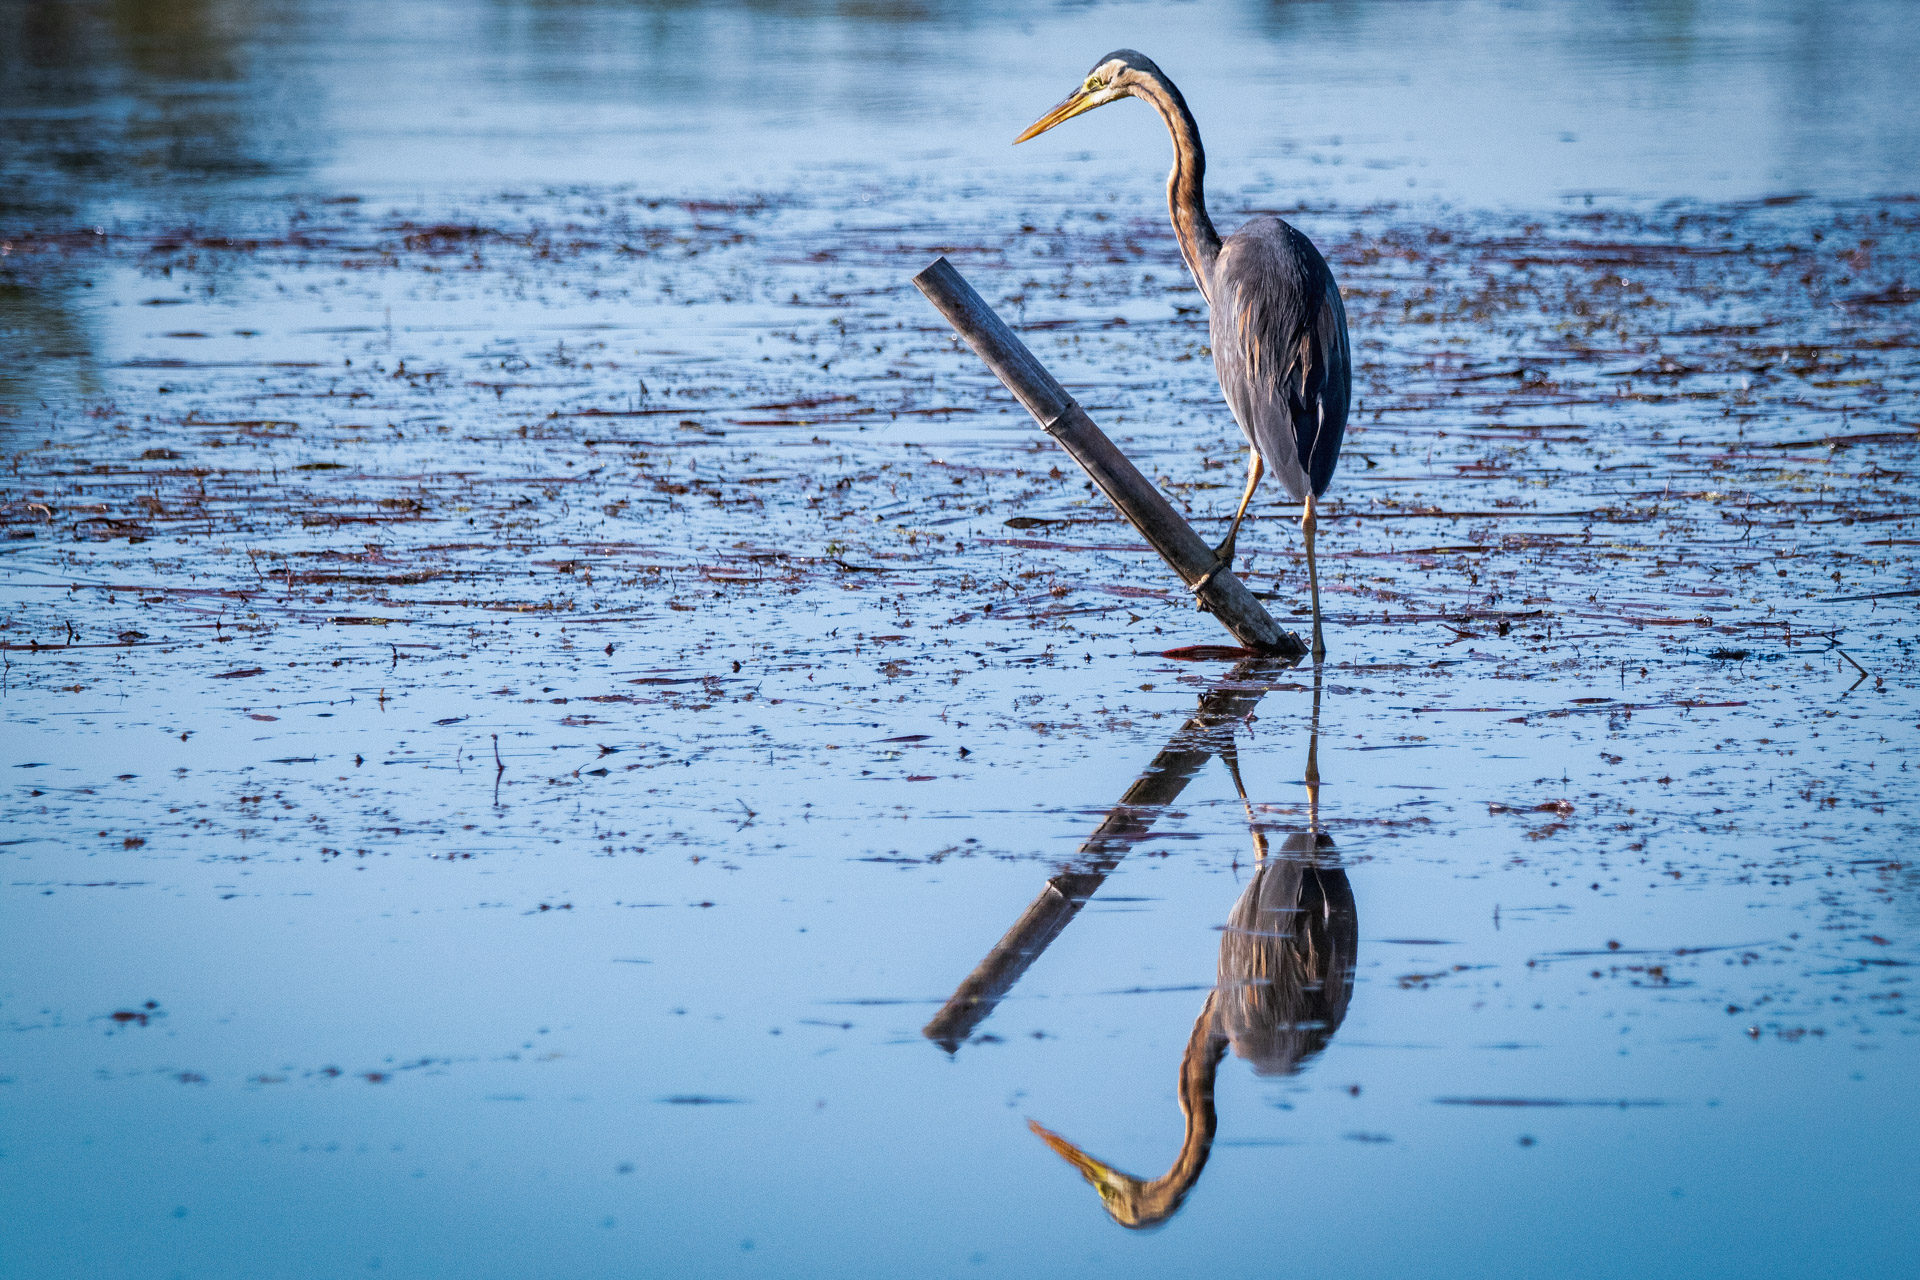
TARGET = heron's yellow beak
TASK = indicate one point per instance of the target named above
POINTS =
(1077, 101)
(1115, 1188)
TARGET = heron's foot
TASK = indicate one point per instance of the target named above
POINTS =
(1222, 563)
(1199, 585)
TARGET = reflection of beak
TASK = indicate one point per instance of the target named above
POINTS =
(1077, 101)
(1112, 1184)
(1092, 1170)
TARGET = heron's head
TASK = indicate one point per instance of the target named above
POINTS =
(1128, 1200)
(1114, 77)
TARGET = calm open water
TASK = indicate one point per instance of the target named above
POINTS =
(558, 724)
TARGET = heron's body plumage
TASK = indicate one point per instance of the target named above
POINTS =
(1279, 336)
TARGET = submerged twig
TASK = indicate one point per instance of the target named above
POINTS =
(1864, 673)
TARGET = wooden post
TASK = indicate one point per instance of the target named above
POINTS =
(1219, 592)
(1129, 822)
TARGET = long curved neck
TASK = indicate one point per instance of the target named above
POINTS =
(1139, 1203)
(1186, 185)
(1205, 1047)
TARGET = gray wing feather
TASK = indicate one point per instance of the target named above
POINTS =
(1279, 334)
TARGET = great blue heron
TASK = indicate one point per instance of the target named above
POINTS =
(1278, 329)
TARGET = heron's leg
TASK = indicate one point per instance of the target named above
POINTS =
(1255, 469)
(1231, 756)
(1313, 759)
(1307, 526)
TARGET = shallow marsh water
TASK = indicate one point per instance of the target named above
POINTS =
(812, 669)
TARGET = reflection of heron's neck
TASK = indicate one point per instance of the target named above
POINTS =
(1186, 184)
(1138, 1204)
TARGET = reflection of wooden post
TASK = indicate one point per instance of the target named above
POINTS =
(1127, 824)
(1222, 594)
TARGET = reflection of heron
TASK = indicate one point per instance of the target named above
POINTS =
(1285, 977)
(1278, 329)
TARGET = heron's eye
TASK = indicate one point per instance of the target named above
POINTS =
(1094, 84)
